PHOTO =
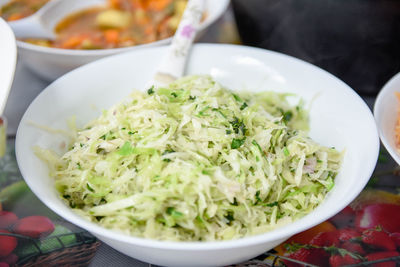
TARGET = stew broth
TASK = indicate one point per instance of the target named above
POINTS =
(18, 9)
(122, 23)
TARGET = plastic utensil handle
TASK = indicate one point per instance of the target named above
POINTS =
(30, 27)
(42, 23)
(173, 64)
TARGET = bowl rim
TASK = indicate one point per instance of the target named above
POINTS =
(378, 109)
(104, 52)
(279, 233)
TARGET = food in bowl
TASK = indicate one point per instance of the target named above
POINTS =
(45, 61)
(18, 9)
(122, 23)
(195, 162)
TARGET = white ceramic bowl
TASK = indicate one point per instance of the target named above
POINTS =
(339, 118)
(386, 111)
(51, 63)
(8, 60)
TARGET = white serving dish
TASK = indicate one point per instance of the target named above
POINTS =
(386, 111)
(339, 117)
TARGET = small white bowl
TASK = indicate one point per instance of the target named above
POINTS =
(386, 110)
(339, 117)
(8, 60)
(50, 63)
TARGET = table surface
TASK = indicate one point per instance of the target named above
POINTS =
(27, 86)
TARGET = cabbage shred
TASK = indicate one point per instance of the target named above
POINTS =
(196, 162)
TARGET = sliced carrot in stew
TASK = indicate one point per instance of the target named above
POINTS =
(114, 3)
(73, 41)
(138, 4)
(158, 4)
(15, 16)
(112, 36)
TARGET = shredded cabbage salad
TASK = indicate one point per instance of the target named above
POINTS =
(195, 162)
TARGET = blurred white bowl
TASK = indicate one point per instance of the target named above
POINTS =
(8, 60)
(386, 113)
(51, 63)
(339, 118)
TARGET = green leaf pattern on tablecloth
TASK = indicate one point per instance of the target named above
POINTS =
(9, 172)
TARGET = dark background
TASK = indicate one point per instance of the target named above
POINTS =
(356, 40)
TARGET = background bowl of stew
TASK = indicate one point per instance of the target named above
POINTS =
(51, 62)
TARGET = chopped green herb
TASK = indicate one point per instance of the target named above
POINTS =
(89, 188)
(98, 218)
(237, 98)
(287, 116)
(229, 216)
(219, 111)
(238, 125)
(151, 90)
(174, 94)
(286, 151)
(279, 215)
(273, 204)
(254, 142)
(100, 150)
(199, 219)
(257, 196)
(174, 213)
(202, 112)
(235, 203)
(205, 172)
(167, 151)
(236, 143)
(251, 169)
(244, 106)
